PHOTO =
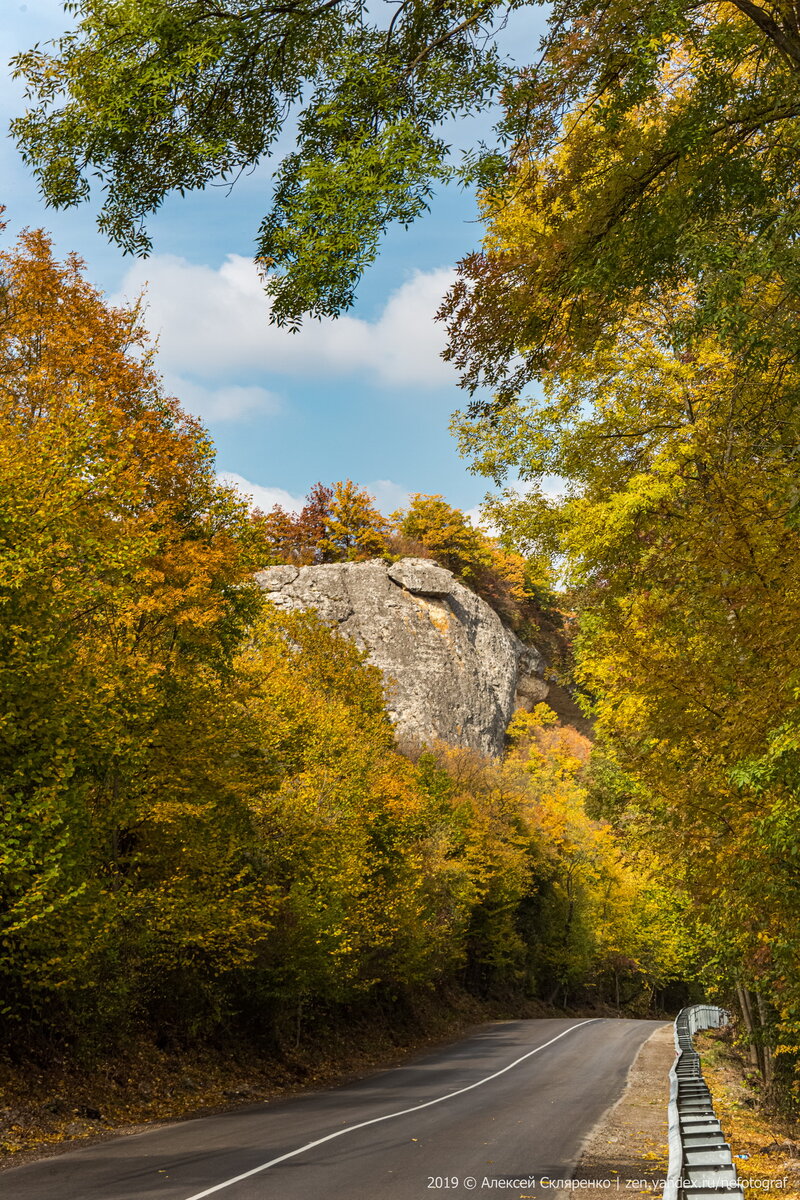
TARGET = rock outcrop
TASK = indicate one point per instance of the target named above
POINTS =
(453, 671)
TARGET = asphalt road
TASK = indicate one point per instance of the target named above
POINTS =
(459, 1132)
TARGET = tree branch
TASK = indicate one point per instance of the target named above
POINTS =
(789, 46)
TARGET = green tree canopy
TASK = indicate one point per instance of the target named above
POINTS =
(657, 142)
(168, 95)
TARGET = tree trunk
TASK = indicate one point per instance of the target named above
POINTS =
(766, 1051)
(746, 1006)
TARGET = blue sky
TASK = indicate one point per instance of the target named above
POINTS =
(366, 397)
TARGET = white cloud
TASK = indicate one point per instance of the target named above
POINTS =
(262, 497)
(553, 486)
(388, 496)
(477, 518)
(215, 322)
(228, 403)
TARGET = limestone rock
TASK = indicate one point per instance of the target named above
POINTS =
(421, 577)
(452, 670)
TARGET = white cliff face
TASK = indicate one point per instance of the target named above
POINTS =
(452, 671)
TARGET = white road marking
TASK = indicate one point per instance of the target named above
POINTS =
(388, 1117)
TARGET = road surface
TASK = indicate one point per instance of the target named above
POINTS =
(481, 1117)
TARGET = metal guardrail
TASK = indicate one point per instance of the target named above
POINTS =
(700, 1162)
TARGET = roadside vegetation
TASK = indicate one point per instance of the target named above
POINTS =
(764, 1143)
(629, 325)
(208, 836)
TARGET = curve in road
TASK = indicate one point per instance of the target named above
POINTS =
(510, 1104)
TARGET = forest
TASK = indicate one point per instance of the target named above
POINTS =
(207, 828)
(207, 825)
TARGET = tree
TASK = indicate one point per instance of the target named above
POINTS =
(124, 590)
(296, 537)
(336, 524)
(354, 529)
(679, 531)
(656, 149)
(166, 96)
(446, 534)
(641, 266)
(679, 126)
(204, 821)
(590, 920)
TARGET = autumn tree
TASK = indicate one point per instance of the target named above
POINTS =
(679, 530)
(336, 524)
(124, 577)
(366, 900)
(656, 149)
(560, 911)
(354, 529)
(296, 537)
(206, 823)
(446, 534)
(641, 268)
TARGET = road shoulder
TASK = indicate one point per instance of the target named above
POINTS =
(627, 1150)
